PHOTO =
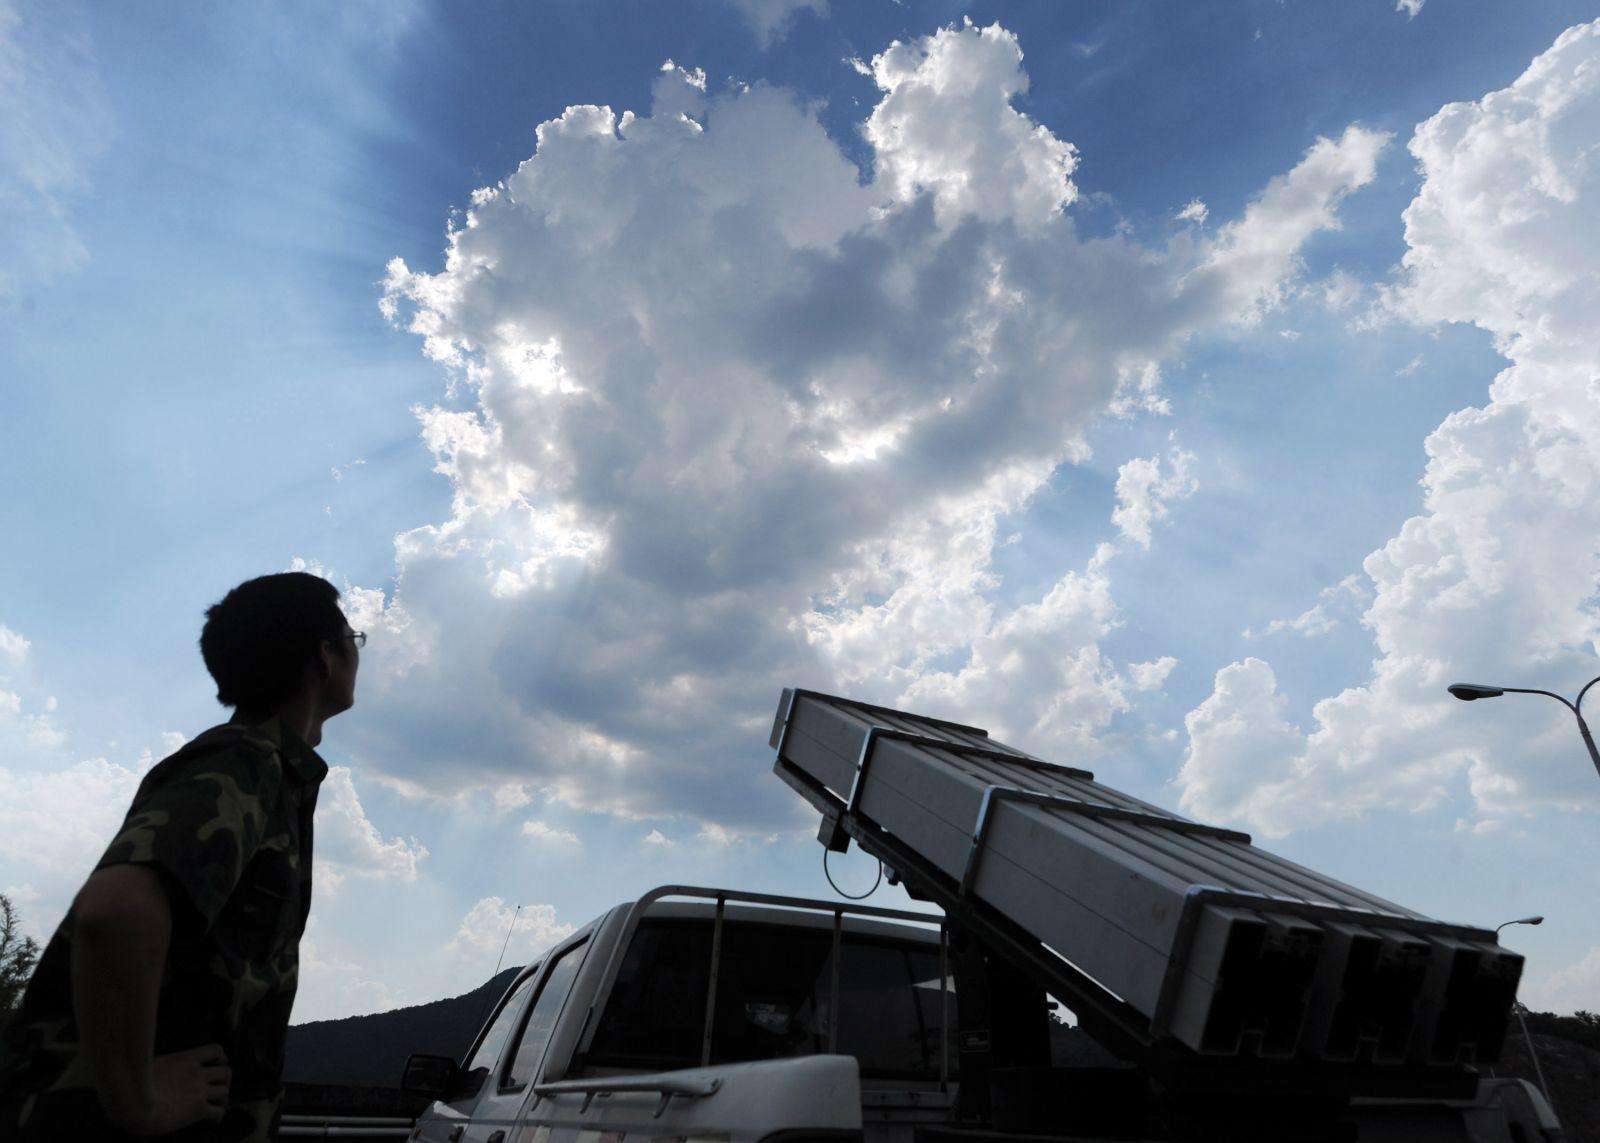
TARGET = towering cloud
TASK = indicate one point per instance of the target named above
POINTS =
(725, 415)
(1495, 579)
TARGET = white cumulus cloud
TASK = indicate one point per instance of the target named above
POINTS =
(1571, 987)
(55, 823)
(348, 844)
(721, 416)
(1151, 675)
(946, 127)
(1242, 751)
(1254, 258)
(771, 20)
(1495, 580)
(1334, 604)
(13, 647)
(1038, 673)
(1145, 486)
(539, 831)
(486, 927)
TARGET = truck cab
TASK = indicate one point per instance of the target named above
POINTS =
(724, 1015)
(706, 1014)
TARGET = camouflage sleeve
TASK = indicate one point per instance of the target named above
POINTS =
(200, 824)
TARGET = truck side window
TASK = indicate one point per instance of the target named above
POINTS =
(774, 999)
(495, 1038)
(542, 1019)
(657, 1009)
(889, 1008)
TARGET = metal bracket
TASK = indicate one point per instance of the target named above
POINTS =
(835, 955)
(711, 986)
(832, 836)
(780, 731)
(869, 747)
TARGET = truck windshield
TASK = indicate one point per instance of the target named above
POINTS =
(774, 999)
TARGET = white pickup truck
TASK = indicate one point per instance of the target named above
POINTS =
(702, 1014)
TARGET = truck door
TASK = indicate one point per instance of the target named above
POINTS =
(495, 1116)
(671, 1057)
(445, 1120)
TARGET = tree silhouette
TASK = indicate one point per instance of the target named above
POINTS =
(17, 956)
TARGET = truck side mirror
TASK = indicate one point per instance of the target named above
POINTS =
(435, 1076)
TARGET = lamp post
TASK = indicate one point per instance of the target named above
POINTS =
(1533, 1053)
(1471, 692)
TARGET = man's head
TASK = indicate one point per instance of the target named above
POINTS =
(277, 637)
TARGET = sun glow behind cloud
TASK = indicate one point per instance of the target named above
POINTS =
(789, 409)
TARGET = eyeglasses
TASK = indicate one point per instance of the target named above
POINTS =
(359, 638)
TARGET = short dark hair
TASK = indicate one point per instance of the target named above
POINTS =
(257, 641)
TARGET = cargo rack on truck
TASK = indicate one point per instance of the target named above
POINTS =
(1215, 966)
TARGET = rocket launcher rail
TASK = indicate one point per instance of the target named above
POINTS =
(1229, 950)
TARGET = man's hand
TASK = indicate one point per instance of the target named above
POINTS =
(189, 1086)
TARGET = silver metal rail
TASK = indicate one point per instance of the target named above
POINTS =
(687, 1087)
(343, 1127)
(676, 1085)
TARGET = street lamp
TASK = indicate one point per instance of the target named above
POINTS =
(1520, 1008)
(1471, 692)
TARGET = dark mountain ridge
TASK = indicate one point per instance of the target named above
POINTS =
(372, 1050)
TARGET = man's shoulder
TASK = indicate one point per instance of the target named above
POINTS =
(257, 741)
(244, 756)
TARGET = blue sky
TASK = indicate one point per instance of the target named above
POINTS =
(625, 499)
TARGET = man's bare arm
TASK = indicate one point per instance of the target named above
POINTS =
(122, 928)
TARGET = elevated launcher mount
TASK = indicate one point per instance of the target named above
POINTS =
(1215, 966)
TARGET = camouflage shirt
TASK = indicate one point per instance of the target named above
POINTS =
(226, 821)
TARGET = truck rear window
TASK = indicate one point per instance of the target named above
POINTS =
(774, 999)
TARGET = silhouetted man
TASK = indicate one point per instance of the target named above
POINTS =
(160, 1005)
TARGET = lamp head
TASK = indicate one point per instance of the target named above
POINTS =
(1468, 692)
